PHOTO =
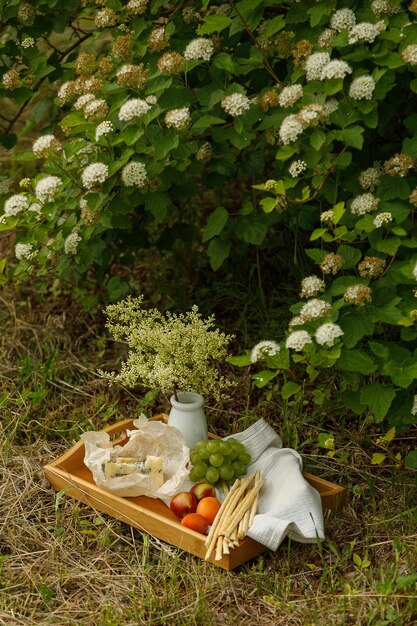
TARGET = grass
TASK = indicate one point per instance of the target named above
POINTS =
(63, 563)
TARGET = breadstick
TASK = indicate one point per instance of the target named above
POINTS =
(242, 508)
(253, 510)
(219, 549)
(226, 549)
(228, 505)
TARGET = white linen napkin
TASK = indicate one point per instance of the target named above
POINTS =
(288, 504)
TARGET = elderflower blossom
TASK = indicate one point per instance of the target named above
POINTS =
(327, 216)
(94, 174)
(290, 129)
(296, 168)
(315, 64)
(365, 32)
(325, 38)
(105, 18)
(47, 188)
(199, 49)
(104, 128)
(327, 333)
(95, 110)
(382, 218)
(11, 80)
(289, 95)
(342, 19)
(358, 294)
(312, 286)
(135, 107)
(236, 104)
(137, 7)
(313, 309)
(71, 243)
(28, 42)
(335, 69)
(15, 204)
(310, 113)
(297, 340)
(35, 207)
(380, 8)
(178, 118)
(365, 203)
(23, 251)
(369, 178)
(264, 349)
(83, 100)
(330, 106)
(362, 88)
(409, 54)
(371, 267)
(332, 263)
(46, 144)
(134, 174)
(170, 62)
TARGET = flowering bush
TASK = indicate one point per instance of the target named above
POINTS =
(311, 105)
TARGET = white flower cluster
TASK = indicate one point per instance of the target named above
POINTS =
(315, 64)
(94, 174)
(135, 107)
(409, 54)
(297, 340)
(342, 19)
(362, 88)
(415, 271)
(365, 32)
(330, 106)
(236, 104)
(380, 8)
(104, 128)
(28, 42)
(83, 100)
(313, 309)
(178, 118)
(369, 178)
(15, 204)
(365, 203)
(47, 189)
(310, 113)
(327, 333)
(35, 208)
(71, 243)
(297, 167)
(199, 49)
(289, 95)
(414, 407)
(326, 37)
(95, 109)
(290, 129)
(137, 7)
(335, 69)
(327, 216)
(358, 294)
(23, 251)
(134, 174)
(312, 286)
(382, 218)
(264, 349)
(151, 99)
(45, 144)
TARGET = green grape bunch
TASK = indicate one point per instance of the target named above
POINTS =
(218, 460)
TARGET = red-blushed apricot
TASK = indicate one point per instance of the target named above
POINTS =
(203, 490)
(195, 522)
(208, 508)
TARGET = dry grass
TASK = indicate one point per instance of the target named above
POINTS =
(62, 563)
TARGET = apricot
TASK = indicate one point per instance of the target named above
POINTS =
(182, 503)
(195, 522)
(208, 508)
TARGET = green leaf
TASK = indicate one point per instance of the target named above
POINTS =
(268, 204)
(273, 26)
(378, 398)
(252, 230)
(389, 246)
(215, 223)
(410, 146)
(224, 62)
(263, 378)
(157, 203)
(241, 360)
(356, 361)
(351, 256)
(317, 139)
(378, 458)
(117, 288)
(317, 233)
(8, 140)
(391, 187)
(218, 251)
(167, 142)
(411, 459)
(285, 152)
(352, 136)
(214, 24)
(289, 389)
(355, 326)
(316, 254)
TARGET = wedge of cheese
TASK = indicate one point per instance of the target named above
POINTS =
(124, 466)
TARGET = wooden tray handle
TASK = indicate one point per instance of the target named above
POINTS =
(127, 424)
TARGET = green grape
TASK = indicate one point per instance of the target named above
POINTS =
(193, 476)
(212, 475)
(239, 447)
(226, 472)
(225, 448)
(239, 468)
(213, 446)
(200, 469)
(195, 458)
(204, 453)
(216, 459)
(244, 458)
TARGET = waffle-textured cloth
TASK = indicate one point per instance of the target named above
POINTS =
(288, 504)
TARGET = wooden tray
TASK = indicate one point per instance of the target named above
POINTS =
(152, 515)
